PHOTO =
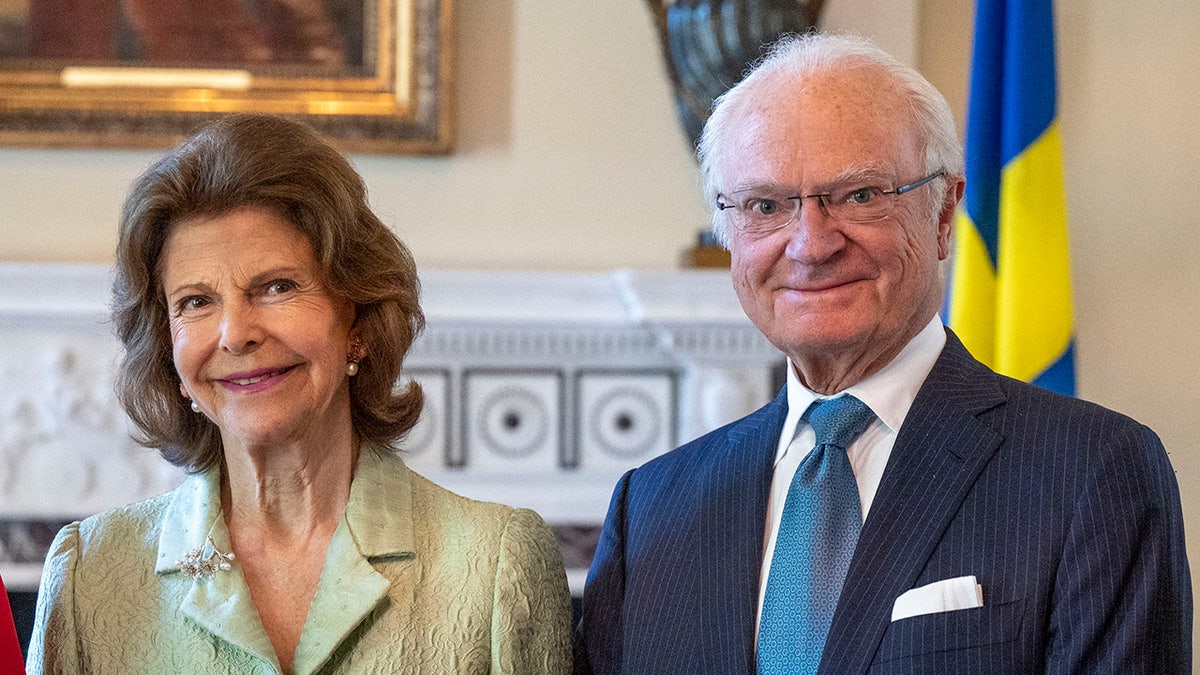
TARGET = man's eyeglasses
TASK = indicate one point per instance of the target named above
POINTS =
(765, 209)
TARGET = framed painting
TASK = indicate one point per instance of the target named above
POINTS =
(371, 75)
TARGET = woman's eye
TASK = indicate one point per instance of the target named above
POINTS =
(192, 302)
(280, 286)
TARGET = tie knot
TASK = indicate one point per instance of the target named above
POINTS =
(838, 421)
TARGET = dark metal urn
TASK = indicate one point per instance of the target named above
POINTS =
(709, 45)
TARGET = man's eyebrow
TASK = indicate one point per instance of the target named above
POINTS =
(761, 187)
(859, 174)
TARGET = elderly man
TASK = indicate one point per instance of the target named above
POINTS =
(898, 507)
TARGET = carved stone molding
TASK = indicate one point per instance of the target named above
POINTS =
(541, 389)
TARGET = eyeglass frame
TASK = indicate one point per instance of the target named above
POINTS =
(823, 196)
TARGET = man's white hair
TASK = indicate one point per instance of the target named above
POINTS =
(795, 57)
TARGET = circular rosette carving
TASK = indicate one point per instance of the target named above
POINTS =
(515, 422)
(626, 422)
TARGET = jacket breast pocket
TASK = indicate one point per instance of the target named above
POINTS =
(945, 632)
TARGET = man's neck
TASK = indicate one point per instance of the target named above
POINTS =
(826, 373)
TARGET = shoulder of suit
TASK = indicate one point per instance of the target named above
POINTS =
(124, 528)
(1028, 405)
(435, 504)
(1026, 394)
(722, 437)
(1014, 394)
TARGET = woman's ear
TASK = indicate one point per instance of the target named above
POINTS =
(357, 349)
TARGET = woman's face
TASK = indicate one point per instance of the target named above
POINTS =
(259, 343)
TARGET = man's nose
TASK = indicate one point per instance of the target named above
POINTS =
(813, 236)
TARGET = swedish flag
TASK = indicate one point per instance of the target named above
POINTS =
(1010, 294)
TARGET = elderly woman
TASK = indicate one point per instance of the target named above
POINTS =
(265, 312)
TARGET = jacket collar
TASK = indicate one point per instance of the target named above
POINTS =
(377, 528)
(221, 605)
(736, 487)
(379, 513)
(192, 513)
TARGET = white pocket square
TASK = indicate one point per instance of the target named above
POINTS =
(940, 596)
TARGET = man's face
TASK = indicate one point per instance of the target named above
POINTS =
(831, 294)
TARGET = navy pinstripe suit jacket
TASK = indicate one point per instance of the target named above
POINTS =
(1067, 513)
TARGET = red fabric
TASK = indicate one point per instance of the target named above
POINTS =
(10, 649)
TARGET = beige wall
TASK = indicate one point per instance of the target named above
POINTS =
(569, 154)
(570, 159)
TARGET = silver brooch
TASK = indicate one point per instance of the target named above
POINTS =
(196, 565)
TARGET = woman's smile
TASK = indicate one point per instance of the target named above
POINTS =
(254, 381)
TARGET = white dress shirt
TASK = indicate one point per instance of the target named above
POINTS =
(888, 393)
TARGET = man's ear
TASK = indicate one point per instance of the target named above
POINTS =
(945, 226)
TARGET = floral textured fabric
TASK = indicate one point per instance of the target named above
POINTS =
(416, 580)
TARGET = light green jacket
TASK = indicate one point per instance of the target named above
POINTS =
(416, 580)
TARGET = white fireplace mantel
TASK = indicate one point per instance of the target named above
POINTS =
(541, 389)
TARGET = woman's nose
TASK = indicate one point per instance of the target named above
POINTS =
(240, 327)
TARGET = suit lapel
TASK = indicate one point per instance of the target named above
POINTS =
(376, 529)
(734, 511)
(939, 453)
(348, 590)
(221, 605)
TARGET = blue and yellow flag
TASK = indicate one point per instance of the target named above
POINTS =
(1010, 293)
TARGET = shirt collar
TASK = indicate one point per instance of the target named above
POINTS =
(889, 393)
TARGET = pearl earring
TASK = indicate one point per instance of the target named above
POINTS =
(357, 352)
(195, 408)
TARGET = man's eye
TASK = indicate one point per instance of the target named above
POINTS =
(765, 207)
(862, 195)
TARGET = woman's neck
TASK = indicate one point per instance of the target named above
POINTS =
(286, 492)
(282, 506)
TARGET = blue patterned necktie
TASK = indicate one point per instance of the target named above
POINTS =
(818, 531)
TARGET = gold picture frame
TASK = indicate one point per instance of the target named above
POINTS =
(395, 100)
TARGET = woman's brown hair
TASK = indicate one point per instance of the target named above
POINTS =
(265, 161)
